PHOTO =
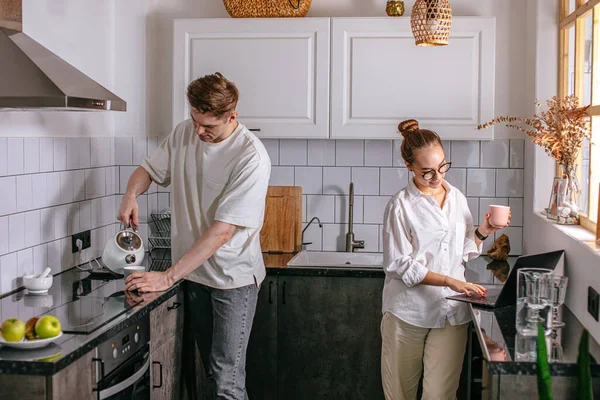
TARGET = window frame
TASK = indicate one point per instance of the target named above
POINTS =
(576, 19)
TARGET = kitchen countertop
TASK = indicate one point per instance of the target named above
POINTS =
(495, 328)
(69, 347)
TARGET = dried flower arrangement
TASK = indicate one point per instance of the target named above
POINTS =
(560, 129)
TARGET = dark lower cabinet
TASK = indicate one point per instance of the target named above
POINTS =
(317, 338)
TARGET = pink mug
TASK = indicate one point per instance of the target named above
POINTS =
(498, 215)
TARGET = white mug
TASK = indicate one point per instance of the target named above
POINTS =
(129, 269)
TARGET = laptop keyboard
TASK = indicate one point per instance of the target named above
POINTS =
(489, 299)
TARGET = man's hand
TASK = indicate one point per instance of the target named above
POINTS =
(128, 211)
(148, 282)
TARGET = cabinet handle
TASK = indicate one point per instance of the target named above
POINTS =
(254, 130)
(270, 288)
(174, 306)
(283, 292)
(160, 382)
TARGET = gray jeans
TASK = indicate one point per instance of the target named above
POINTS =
(221, 321)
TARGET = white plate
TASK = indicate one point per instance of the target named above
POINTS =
(29, 344)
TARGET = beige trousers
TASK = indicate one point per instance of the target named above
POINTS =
(407, 349)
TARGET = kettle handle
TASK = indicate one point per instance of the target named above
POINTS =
(122, 226)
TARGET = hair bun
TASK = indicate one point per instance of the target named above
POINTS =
(410, 125)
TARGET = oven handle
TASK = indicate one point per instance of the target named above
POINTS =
(119, 387)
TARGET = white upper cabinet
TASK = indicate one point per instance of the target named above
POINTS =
(379, 78)
(280, 66)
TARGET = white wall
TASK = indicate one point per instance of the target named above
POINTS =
(82, 33)
(146, 82)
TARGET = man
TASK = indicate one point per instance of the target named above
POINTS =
(219, 173)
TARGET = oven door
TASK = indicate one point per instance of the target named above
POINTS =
(130, 381)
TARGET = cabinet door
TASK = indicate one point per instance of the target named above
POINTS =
(280, 66)
(380, 77)
(74, 382)
(166, 321)
(166, 370)
(261, 359)
(328, 338)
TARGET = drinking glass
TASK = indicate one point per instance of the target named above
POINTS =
(558, 287)
(534, 301)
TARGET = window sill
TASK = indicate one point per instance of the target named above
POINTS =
(575, 232)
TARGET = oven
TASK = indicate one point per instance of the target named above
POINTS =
(122, 364)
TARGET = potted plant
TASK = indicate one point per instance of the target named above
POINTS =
(560, 129)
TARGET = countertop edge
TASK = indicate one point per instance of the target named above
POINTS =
(41, 368)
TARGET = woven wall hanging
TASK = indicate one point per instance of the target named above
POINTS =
(431, 21)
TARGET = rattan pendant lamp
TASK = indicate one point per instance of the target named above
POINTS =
(430, 21)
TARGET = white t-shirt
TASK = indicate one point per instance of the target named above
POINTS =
(225, 182)
(419, 236)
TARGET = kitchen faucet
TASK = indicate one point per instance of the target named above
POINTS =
(352, 244)
(304, 244)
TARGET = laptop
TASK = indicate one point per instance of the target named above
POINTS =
(506, 295)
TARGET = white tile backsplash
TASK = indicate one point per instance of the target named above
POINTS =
(46, 154)
(282, 176)
(85, 152)
(336, 180)
(393, 179)
(45, 207)
(457, 177)
(378, 153)
(465, 154)
(16, 227)
(25, 263)
(481, 182)
(15, 157)
(24, 193)
(272, 147)
(123, 151)
(33, 228)
(509, 182)
(374, 207)
(517, 149)
(60, 154)
(310, 178)
(495, 153)
(3, 235)
(349, 153)
(321, 152)
(516, 211)
(3, 156)
(293, 152)
(314, 236)
(366, 180)
(320, 206)
(8, 200)
(139, 150)
(31, 161)
(72, 153)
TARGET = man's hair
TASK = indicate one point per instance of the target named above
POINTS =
(214, 94)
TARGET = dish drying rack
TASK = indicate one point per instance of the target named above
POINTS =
(160, 241)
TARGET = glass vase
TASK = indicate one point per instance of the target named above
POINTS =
(564, 198)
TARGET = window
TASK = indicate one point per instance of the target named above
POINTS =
(579, 74)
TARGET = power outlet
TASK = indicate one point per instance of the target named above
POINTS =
(593, 303)
(86, 238)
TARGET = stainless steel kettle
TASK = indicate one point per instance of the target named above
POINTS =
(125, 248)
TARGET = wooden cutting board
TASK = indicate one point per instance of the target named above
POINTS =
(282, 227)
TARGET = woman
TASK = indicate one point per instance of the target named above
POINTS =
(427, 233)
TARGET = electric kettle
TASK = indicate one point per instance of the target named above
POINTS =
(125, 248)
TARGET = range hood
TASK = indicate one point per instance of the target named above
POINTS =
(34, 78)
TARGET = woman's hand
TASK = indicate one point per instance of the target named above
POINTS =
(128, 211)
(486, 228)
(465, 287)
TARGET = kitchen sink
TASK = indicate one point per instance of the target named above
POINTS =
(327, 259)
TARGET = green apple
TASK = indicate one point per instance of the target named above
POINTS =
(47, 327)
(13, 330)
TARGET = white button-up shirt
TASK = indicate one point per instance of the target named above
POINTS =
(419, 236)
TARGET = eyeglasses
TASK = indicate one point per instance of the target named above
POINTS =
(429, 175)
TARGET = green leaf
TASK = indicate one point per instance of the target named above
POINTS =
(543, 367)
(584, 373)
